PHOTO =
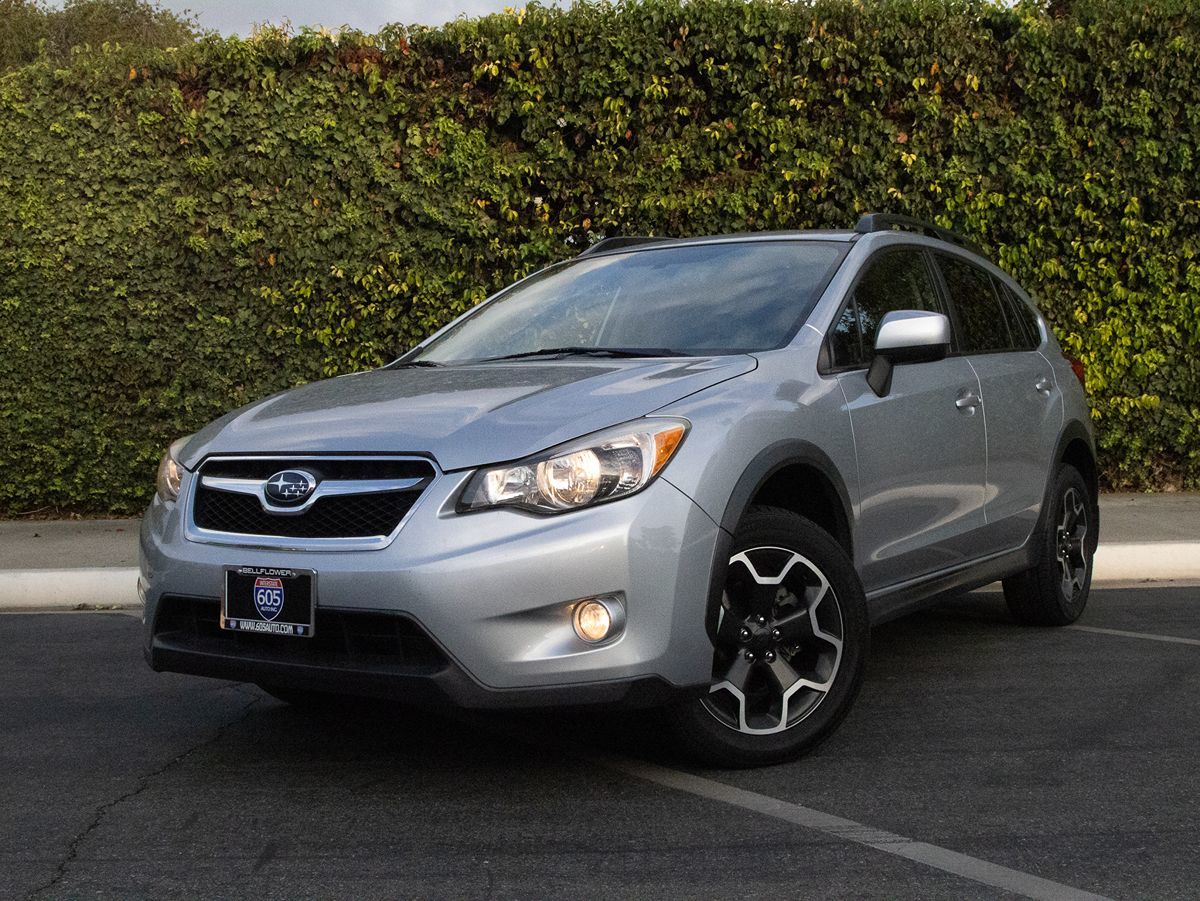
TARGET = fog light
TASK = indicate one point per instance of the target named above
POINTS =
(598, 619)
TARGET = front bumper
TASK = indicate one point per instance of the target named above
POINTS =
(490, 591)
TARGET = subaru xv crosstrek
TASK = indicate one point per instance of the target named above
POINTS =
(684, 473)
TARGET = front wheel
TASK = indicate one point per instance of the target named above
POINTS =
(789, 646)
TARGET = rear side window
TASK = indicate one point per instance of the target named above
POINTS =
(1023, 321)
(893, 280)
(981, 316)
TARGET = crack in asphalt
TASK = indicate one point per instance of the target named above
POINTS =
(143, 783)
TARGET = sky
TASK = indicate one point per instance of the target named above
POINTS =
(237, 16)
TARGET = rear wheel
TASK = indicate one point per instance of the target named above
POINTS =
(789, 648)
(1054, 592)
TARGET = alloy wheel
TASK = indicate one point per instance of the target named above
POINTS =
(1070, 543)
(778, 642)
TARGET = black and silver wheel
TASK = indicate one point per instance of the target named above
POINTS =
(789, 645)
(1055, 591)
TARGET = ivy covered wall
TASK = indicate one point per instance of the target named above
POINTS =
(184, 231)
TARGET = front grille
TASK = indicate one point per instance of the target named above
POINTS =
(372, 515)
(343, 638)
(345, 516)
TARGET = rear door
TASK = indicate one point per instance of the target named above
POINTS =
(1000, 335)
(921, 447)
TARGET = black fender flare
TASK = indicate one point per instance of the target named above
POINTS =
(1073, 430)
(765, 464)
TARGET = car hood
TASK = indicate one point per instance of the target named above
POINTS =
(464, 416)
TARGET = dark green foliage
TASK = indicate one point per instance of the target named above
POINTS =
(182, 232)
(22, 29)
(32, 28)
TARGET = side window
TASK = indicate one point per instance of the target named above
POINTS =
(1023, 319)
(845, 345)
(980, 315)
(893, 280)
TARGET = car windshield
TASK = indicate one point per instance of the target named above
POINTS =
(690, 300)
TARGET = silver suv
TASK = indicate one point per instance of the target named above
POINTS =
(680, 473)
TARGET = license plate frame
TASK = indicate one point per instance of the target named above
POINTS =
(252, 593)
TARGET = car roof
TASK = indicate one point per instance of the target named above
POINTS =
(868, 224)
(625, 244)
(634, 244)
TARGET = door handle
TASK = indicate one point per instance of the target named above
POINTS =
(1043, 386)
(968, 400)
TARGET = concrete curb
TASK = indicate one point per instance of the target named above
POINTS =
(71, 589)
(67, 589)
(1150, 560)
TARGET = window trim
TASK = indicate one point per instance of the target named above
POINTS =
(998, 285)
(1015, 303)
(825, 365)
(1017, 330)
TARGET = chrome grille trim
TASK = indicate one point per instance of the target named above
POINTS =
(257, 488)
(341, 487)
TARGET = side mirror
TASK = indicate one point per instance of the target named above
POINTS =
(906, 336)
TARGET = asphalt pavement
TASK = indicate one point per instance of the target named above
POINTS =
(980, 754)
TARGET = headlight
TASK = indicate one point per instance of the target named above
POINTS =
(170, 471)
(605, 466)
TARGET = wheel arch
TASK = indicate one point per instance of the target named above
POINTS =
(1077, 451)
(797, 476)
(1076, 448)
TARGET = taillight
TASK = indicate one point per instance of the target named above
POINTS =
(1077, 368)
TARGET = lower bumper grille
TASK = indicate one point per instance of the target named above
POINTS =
(343, 638)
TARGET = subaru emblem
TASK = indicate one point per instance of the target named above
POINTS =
(290, 487)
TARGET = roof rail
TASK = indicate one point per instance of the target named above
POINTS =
(882, 222)
(619, 241)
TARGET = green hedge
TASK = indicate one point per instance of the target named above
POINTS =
(185, 231)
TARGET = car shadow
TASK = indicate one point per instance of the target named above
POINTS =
(399, 735)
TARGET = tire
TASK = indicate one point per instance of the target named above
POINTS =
(789, 649)
(1054, 592)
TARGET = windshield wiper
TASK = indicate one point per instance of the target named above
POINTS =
(615, 352)
(409, 363)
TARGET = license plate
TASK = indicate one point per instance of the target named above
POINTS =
(269, 601)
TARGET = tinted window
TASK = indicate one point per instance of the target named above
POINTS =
(980, 316)
(1022, 319)
(893, 280)
(713, 298)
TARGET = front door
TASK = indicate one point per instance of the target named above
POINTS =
(921, 448)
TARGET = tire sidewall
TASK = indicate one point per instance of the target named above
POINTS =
(717, 742)
(1069, 608)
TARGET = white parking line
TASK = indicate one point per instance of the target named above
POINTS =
(980, 871)
(1173, 639)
